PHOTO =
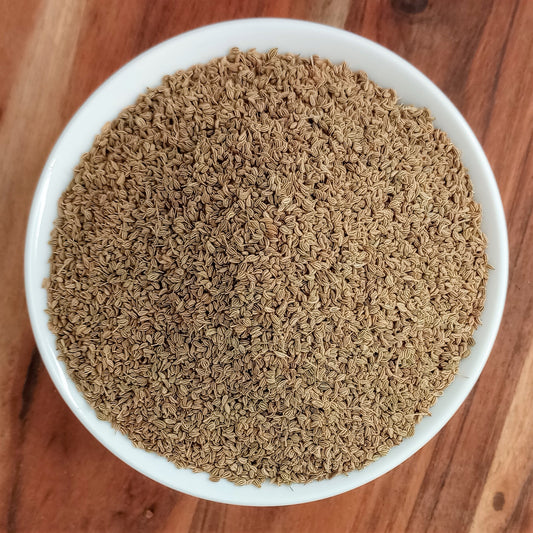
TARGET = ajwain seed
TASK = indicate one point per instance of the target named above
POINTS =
(268, 267)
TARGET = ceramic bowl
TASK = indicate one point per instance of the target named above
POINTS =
(198, 46)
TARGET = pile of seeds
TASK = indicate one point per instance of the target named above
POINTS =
(267, 268)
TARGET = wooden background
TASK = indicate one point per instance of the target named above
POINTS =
(477, 475)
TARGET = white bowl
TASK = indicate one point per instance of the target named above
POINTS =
(198, 46)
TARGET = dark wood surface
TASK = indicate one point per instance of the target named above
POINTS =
(476, 475)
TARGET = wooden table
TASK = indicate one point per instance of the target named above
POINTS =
(477, 475)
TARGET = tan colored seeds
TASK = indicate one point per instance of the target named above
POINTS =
(267, 268)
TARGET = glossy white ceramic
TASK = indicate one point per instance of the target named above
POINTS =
(200, 45)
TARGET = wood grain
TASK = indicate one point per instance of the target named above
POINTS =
(476, 475)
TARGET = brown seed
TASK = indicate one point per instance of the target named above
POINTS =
(267, 268)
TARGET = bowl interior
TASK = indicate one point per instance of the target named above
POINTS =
(198, 46)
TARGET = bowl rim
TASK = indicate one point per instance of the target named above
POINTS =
(221, 491)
